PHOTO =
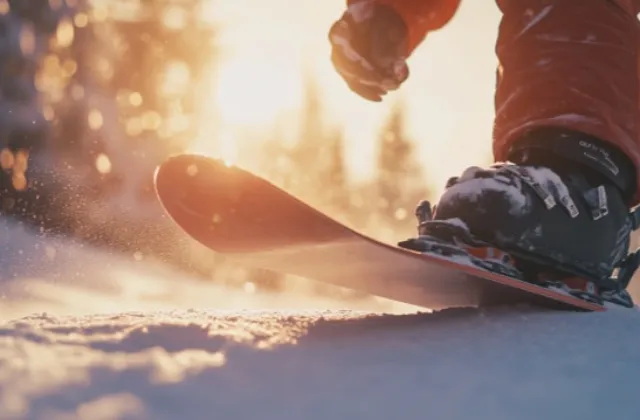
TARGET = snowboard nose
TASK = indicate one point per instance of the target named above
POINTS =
(231, 210)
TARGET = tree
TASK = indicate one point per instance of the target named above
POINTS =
(399, 183)
(313, 168)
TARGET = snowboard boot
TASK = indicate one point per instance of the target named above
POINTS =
(559, 217)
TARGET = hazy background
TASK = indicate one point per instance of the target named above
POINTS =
(271, 47)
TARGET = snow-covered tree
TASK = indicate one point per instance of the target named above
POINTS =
(400, 181)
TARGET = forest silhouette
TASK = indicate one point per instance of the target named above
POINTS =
(120, 86)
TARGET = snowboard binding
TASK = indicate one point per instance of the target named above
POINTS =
(452, 239)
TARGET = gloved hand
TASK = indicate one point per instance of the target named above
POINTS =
(369, 49)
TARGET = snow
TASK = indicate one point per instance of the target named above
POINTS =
(471, 187)
(85, 335)
(534, 20)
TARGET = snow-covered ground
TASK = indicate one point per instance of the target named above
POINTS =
(91, 336)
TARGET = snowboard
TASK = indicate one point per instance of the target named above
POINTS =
(250, 220)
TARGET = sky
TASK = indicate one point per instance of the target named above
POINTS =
(269, 47)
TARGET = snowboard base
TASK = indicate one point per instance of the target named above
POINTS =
(248, 219)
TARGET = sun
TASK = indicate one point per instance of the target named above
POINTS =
(252, 89)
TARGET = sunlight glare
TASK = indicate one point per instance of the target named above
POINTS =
(224, 146)
(228, 148)
(255, 88)
(266, 55)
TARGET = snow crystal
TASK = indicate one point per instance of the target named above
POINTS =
(361, 11)
(472, 189)
(552, 183)
(458, 222)
(534, 20)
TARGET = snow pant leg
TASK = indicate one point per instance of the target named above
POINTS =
(570, 65)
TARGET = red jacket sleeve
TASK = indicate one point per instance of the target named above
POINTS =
(421, 16)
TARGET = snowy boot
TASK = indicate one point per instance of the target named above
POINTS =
(561, 214)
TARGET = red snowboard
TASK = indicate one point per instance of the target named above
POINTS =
(248, 219)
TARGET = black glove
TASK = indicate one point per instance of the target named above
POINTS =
(369, 49)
